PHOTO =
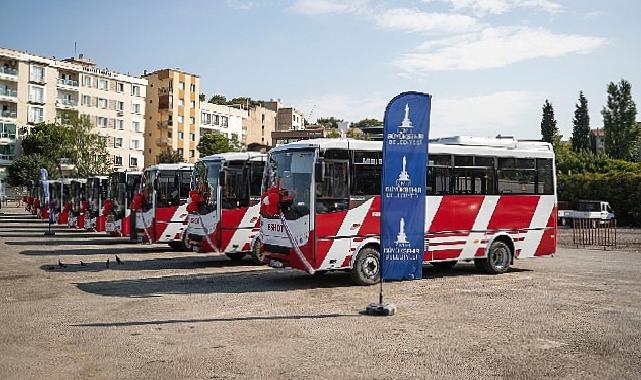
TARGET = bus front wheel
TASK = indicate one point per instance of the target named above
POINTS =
(498, 259)
(366, 269)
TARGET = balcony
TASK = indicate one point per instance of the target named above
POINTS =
(36, 119)
(163, 141)
(66, 103)
(165, 123)
(164, 103)
(36, 99)
(67, 83)
(8, 114)
(8, 94)
(9, 73)
(7, 158)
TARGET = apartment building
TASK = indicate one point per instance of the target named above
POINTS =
(259, 125)
(172, 114)
(288, 118)
(36, 89)
(223, 119)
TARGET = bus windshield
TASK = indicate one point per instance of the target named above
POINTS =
(76, 191)
(206, 183)
(291, 172)
(173, 187)
(117, 191)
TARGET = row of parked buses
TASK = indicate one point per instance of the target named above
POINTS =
(315, 205)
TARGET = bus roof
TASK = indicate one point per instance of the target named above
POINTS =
(179, 166)
(465, 145)
(236, 156)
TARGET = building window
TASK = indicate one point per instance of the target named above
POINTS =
(102, 103)
(136, 108)
(86, 100)
(192, 120)
(216, 120)
(205, 118)
(120, 106)
(181, 119)
(103, 84)
(86, 80)
(104, 140)
(118, 142)
(223, 121)
(192, 87)
(181, 135)
(120, 87)
(135, 144)
(192, 154)
(36, 94)
(101, 122)
(135, 90)
(181, 102)
(120, 124)
(36, 114)
(192, 136)
(135, 126)
(181, 85)
(234, 136)
(37, 74)
(180, 151)
(133, 162)
(117, 161)
(192, 104)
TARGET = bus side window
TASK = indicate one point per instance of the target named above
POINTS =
(544, 176)
(257, 169)
(516, 175)
(366, 174)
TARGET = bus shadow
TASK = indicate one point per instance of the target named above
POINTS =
(209, 320)
(99, 251)
(461, 269)
(247, 281)
(163, 263)
(54, 240)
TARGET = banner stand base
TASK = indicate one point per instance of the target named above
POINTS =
(380, 309)
(49, 233)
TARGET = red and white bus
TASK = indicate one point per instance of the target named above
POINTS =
(77, 194)
(224, 203)
(161, 207)
(97, 193)
(488, 201)
(123, 186)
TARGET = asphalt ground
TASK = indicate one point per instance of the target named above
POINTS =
(167, 314)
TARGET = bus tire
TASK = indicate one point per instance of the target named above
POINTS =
(235, 257)
(498, 259)
(444, 265)
(367, 268)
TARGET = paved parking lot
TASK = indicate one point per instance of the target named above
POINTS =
(166, 314)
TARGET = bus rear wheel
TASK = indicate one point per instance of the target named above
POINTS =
(367, 267)
(498, 259)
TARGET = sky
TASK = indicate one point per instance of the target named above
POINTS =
(489, 64)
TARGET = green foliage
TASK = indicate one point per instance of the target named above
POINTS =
(569, 162)
(622, 134)
(332, 133)
(549, 130)
(581, 126)
(26, 168)
(622, 190)
(214, 143)
(329, 122)
(169, 157)
(201, 98)
(47, 143)
(367, 123)
(243, 101)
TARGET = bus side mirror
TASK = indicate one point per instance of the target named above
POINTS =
(221, 178)
(319, 170)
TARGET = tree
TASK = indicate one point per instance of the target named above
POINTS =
(73, 140)
(218, 99)
(328, 122)
(581, 129)
(26, 168)
(169, 157)
(365, 123)
(549, 131)
(244, 101)
(201, 98)
(622, 134)
(214, 143)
